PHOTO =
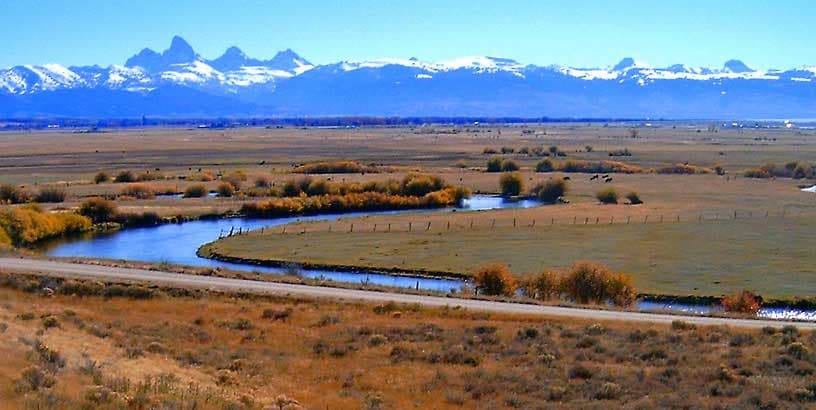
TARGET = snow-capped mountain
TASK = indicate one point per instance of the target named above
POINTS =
(163, 84)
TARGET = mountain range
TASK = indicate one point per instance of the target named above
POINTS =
(178, 82)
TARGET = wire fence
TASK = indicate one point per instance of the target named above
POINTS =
(458, 223)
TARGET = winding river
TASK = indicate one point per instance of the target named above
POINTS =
(178, 243)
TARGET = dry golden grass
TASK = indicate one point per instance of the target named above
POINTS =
(234, 351)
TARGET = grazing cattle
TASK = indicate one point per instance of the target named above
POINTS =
(606, 176)
(566, 178)
(594, 177)
(608, 180)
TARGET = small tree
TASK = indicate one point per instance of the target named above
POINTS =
(494, 165)
(511, 184)
(607, 196)
(545, 165)
(549, 191)
(509, 165)
(98, 209)
(495, 279)
(634, 198)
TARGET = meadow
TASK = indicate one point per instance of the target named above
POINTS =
(77, 344)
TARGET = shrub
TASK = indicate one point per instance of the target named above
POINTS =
(683, 169)
(149, 176)
(549, 191)
(793, 169)
(545, 165)
(507, 150)
(511, 184)
(277, 314)
(10, 194)
(588, 282)
(419, 185)
(5, 240)
(262, 181)
(494, 165)
(509, 165)
(101, 177)
(138, 219)
(138, 191)
(50, 194)
(743, 302)
(235, 178)
(318, 187)
(124, 177)
(543, 286)
(607, 196)
(634, 198)
(98, 209)
(489, 150)
(495, 279)
(225, 189)
(195, 191)
(620, 153)
(335, 167)
(29, 224)
(719, 170)
(597, 167)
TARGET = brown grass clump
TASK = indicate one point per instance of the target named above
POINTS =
(101, 177)
(794, 169)
(509, 165)
(743, 302)
(495, 279)
(138, 191)
(335, 167)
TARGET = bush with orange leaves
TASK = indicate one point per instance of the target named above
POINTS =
(495, 279)
(589, 282)
(743, 302)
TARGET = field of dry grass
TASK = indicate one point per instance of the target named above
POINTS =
(137, 347)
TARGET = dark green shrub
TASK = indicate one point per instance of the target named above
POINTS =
(101, 177)
(634, 198)
(50, 195)
(225, 189)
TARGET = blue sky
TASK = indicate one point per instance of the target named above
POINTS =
(764, 34)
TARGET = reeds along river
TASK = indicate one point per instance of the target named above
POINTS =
(178, 243)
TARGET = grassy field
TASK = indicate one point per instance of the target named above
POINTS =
(176, 349)
(771, 256)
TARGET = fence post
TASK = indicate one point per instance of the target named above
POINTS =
(586, 221)
(493, 224)
(766, 214)
(661, 218)
(428, 228)
(629, 217)
(597, 219)
(329, 227)
(514, 222)
(410, 227)
(646, 219)
(611, 220)
(471, 224)
(574, 218)
(678, 218)
(351, 228)
(389, 227)
(448, 228)
(282, 232)
(735, 214)
(700, 218)
(375, 227)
